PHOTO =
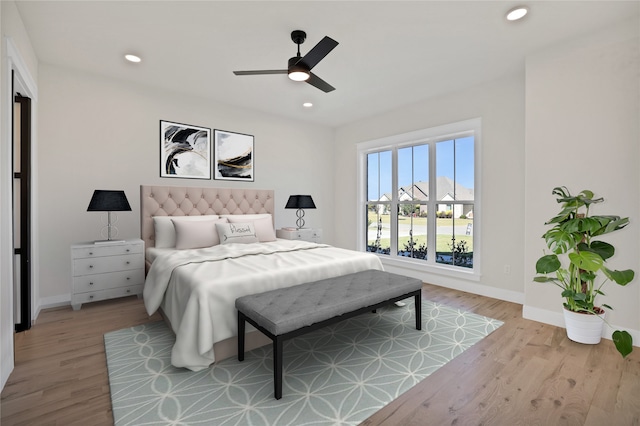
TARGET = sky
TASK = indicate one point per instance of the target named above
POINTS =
(413, 165)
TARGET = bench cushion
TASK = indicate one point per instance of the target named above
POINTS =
(287, 309)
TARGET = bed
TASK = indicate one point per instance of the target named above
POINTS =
(194, 274)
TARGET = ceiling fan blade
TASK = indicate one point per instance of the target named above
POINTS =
(260, 72)
(316, 81)
(319, 51)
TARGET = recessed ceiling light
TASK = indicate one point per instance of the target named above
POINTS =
(307, 104)
(517, 13)
(132, 58)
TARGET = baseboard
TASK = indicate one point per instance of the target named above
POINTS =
(469, 286)
(557, 318)
(52, 302)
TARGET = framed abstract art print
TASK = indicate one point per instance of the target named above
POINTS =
(185, 151)
(233, 153)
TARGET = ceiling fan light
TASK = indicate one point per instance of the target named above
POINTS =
(298, 75)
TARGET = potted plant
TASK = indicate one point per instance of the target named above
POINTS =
(578, 261)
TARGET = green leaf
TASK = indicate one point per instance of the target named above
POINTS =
(544, 279)
(605, 250)
(623, 342)
(560, 241)
(561, 191)
(615, 223)
(547, 264)
(586, 260)
(620, 277)
(567, 293)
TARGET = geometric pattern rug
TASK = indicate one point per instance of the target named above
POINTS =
(337, 375)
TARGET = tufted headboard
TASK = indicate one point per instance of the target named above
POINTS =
(194, 201)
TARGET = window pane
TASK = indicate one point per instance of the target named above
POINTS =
(379, 176)
(464, 167)
(455, 236)
(413, 173)
(421, 172)
(378, 230)
(412, 231)
(444, 235)
(444, 172)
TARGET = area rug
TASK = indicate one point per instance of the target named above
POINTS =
(338, 375)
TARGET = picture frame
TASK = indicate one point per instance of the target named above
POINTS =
(185, 151)
(233, 156)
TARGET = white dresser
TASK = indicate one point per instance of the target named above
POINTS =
(106, 271)
(304, 234)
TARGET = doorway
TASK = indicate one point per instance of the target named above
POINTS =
(22, 211)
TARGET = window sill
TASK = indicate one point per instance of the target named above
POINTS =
(421, 266)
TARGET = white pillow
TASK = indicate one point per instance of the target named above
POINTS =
(196, 234)
(243, 233)
(262, 222)
(165, 233)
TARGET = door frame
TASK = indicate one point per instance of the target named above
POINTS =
(24, 83)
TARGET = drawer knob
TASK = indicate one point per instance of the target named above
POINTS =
(128, 262)
(90, 283)
(128, 278)
(128, 291)
(90, 253)
(128, 250)
(90, 266)
(91, 297)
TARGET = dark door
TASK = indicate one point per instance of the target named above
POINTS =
(22, 211)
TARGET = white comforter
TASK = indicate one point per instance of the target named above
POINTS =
(197, 289)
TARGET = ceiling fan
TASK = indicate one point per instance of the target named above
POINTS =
(299, 68)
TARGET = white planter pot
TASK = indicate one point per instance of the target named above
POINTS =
(584, 328)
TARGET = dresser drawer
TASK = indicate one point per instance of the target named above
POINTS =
(107, 264)
(108, 280)
(105, 250)
(305, 234)
(93, 296)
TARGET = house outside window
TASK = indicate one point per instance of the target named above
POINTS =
(420, 197)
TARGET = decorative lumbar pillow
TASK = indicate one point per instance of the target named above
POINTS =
(237, 233)
(262, 222)
(197, 234)
(165, 232)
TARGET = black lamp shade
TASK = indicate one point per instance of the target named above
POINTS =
(108, 201)
(300, 202)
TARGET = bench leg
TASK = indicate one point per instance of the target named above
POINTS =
(418, 298)
(277, 367)
(241, 324)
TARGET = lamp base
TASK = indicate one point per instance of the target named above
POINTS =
(108, 241)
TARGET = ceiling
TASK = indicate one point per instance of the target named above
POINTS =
(391, 53)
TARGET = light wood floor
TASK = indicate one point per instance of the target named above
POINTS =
(525, 373)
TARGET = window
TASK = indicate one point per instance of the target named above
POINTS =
(422, 196)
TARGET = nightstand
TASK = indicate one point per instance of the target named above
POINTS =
(106, 271)
(304, 234)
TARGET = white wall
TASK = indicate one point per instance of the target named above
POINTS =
(99, 133)
(582, 112)
(500, 105)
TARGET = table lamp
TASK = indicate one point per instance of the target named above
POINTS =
(108, 201)
(300, 202)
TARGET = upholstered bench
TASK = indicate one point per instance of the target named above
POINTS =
(288, 312)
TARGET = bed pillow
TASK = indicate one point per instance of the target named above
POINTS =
(262, 222)
(243, 233)
(192, 234)
(165, 233)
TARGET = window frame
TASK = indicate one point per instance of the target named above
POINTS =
(431, 136)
